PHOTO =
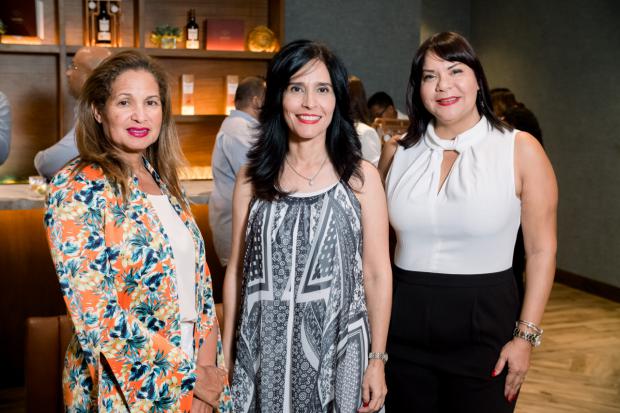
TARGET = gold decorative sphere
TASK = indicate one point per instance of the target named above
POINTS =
(262, 39)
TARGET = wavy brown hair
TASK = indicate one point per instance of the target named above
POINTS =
(94, 146)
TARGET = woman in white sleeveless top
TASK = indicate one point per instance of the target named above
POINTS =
(459, 185)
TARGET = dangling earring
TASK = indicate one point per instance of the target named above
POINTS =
(479, 98)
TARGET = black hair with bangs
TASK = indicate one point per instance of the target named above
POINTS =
(452, 47)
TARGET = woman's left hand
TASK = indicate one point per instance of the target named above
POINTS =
(516, 353)
(374, 388)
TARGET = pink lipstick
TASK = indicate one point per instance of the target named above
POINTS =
(138, 132)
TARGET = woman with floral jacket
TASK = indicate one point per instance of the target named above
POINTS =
(129, 256)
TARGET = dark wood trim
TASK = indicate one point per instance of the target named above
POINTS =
(217, 118)
(589, 285)
(29, 48)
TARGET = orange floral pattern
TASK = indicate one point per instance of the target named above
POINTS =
(117, 276)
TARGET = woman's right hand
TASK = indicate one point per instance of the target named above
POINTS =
(209, 384)
(198, 406)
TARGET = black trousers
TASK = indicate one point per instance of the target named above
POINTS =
(445, 337)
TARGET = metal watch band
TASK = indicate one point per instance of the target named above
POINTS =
(533, 338)
(381, 356)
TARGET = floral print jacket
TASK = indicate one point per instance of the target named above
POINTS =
(117, 276)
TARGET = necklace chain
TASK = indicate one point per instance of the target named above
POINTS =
(311, 179)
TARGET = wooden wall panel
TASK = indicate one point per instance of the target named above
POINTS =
(29, 81)
(49, 22)
(197, 139)
(74, 24)
(209, 80)
(29, 286)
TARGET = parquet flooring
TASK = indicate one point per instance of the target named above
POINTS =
(577, 368)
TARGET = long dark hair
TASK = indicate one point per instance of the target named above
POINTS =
(359, 102)
(267, 155)
(452, 47)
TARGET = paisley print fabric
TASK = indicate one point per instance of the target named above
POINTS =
(303, 338)
(114, 263)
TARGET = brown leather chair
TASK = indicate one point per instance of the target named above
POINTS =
(46, 343)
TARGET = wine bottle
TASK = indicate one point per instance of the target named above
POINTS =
(104, 36)
(191, 31)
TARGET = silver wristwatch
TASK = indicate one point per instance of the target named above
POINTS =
(534, 338)
(381, 356)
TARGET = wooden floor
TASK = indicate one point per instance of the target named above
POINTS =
(576, 370)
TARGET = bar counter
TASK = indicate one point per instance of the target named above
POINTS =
(20, 196)
(29, 284)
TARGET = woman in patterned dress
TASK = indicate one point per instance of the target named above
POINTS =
(311, 299)
(129, 256)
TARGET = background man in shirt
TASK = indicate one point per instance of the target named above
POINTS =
(50, 160)
(234, 139)
(5, 127)
(381, 105)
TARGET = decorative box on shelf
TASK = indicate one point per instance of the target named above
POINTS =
(225, 34)
(22, 22)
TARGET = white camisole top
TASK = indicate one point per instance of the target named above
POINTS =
(468, 226)
(184, 258)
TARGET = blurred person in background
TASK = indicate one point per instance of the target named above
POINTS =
(49, 161)
(369, 138)
(514, 113)
(381, 105)
(232, 142)
(5, 127)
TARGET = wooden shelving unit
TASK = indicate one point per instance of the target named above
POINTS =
(30, 48)
(33, 76)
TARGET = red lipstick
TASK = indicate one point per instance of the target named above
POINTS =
(308, 119)
(447, 101)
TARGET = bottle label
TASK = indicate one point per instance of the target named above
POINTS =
(188, 88)
(192, 34)
(104, 36)
(104, 25)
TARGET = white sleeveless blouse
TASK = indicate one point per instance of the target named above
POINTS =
(468, 226)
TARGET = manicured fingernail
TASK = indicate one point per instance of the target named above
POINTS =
(493, 373)
(511, 398)
(365, 404)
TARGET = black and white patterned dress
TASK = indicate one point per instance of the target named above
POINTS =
(303, 337)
